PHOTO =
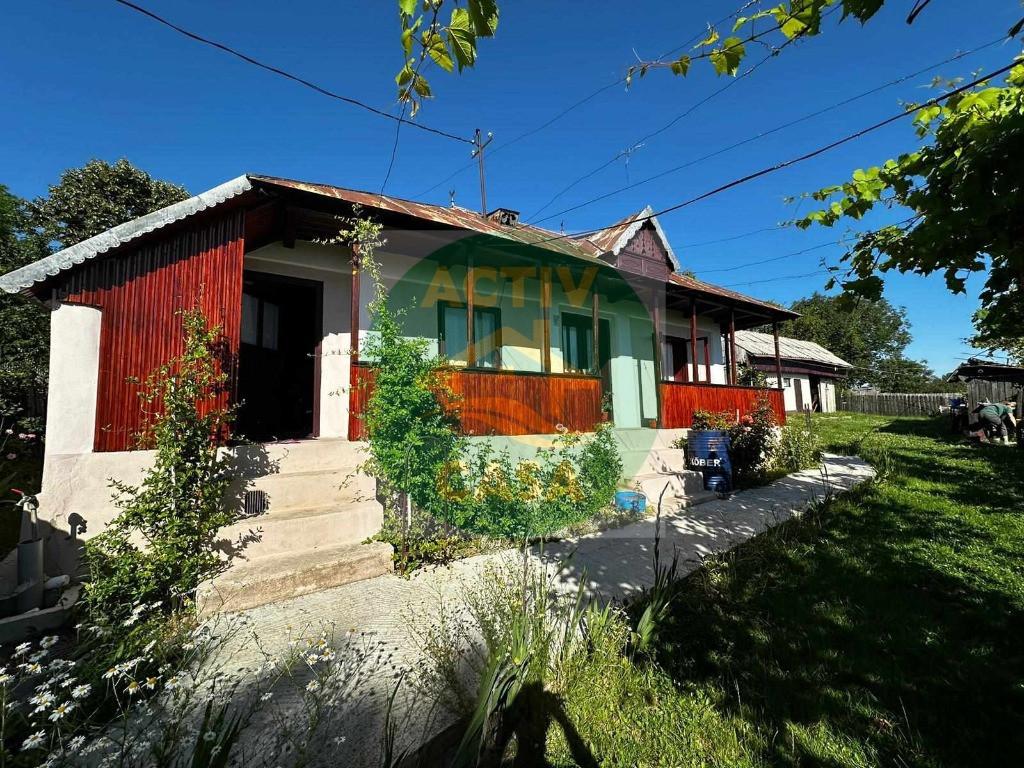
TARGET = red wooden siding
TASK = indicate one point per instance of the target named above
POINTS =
(139, 293)
(503, 403)
(679, 401)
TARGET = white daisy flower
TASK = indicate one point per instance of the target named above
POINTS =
(48, 642)
(172, 682)
(80, 691)
(76, 743)
(151, 682)
(132, 688)
(312, 686)
(61, 709)
(22, 649)
(267, 696)
(34, 741)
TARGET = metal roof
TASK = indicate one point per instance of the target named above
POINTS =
(763, 345)
(611, 239)
(36, 272)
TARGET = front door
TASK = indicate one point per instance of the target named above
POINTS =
(281, 330)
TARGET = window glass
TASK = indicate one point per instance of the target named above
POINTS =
(250, 319)
(270, 313)
(453, 333)
(486, 336)
(577, 343)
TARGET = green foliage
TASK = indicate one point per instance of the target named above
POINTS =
(569, 482)
(753, 442)
(798, 448)
(446, 45)
(749, 376)
(96, 197)
(161, 545)
(965, 206)
(713, 420)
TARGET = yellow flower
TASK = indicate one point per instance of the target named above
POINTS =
(451, 483)
(564, 484)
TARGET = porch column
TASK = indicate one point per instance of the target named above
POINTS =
(595, 346)
(545, 305)
(353, 323)
(470, 290)
(659, 369)
(693, 339)
(778, 355)
(733, 371)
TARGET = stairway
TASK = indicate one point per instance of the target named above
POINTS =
(312, 511)
(650, 461)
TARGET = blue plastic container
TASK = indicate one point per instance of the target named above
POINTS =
(631, 502)
(708, 453)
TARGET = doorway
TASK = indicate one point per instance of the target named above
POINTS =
(277, 364)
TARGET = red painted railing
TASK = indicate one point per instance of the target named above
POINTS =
(502, 402)
(679, 401)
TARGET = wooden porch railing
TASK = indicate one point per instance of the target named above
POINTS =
(502, 402)
(679, 401)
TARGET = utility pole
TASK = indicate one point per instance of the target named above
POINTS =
(478, 153)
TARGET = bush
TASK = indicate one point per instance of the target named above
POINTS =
(161, 545)
(567, 483)
(754, 442)
(798, 449)
(713, 420)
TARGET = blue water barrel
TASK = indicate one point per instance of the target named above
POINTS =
(631, 502)
(708, 453)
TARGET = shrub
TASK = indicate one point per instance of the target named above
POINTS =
(798, 448)
(754, 442)
(162, 544)
(714, 420)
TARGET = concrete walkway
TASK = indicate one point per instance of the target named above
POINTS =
(614, 564)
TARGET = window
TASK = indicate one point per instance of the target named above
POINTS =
(787, 383)
(677, 359)
(452, 334)
(259, 322)
(577, 343)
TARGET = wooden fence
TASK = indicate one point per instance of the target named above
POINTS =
(679, 401)
(894, 403)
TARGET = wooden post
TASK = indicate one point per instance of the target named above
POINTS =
(707, 360)
(733, 370)
(353, 322)
(658, 365)
(778, 355)
(470, 290)
(595, 348)
(545, 304)
(693, 339)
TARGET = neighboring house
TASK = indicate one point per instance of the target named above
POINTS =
(809, 371)
(991, 382)
(544, 332)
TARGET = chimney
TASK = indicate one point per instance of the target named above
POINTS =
(506, 217)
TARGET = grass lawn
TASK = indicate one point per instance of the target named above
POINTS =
(886, 628)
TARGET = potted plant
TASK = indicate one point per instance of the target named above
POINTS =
(707, 449)
(606, 406)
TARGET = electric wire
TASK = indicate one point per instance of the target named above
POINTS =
(282, 73)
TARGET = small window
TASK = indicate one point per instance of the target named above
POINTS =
(452, 334)
(577, 343)
(787, 383)
(259, 322)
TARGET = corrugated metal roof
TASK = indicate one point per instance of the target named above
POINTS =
(763, 345)
(611, 239)
(614, 238)
(36, 272)
(460, 218)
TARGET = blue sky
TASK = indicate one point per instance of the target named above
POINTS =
(93, 79)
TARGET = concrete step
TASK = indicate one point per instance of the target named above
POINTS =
(262, 458)
(682, 486)
(305, 529)
(281, 577)
(305, 489)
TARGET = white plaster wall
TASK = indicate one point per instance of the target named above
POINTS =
(74, 377)
(789, 392)
(328, 265)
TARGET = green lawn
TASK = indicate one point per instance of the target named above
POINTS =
(886, 628)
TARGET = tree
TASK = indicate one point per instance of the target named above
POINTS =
(96, 197)
(86, 201)
(865, 335)
(772, 29)
(23, 322)
(445, 45)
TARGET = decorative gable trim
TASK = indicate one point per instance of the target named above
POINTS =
(647, 214)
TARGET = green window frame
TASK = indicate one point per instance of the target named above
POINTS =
(452, 332)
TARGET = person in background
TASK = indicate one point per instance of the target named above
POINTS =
(995, 415)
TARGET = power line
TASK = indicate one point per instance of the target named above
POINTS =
(575, 105)
(792, 161)
(774, 258)
(769, 132)
(295, 78)
(665, 127)
(777, 279)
